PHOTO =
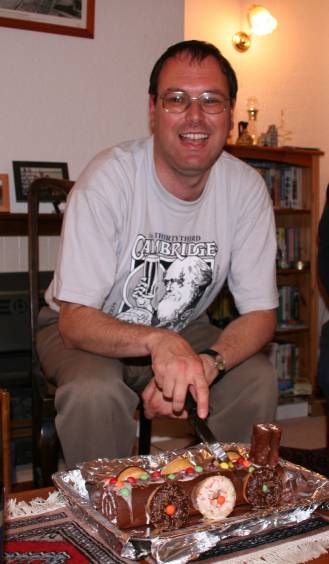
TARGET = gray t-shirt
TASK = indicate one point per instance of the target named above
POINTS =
(135, 251)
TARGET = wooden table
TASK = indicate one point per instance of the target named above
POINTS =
(44, 492)
(31, 494)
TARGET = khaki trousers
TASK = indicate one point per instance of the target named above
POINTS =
(96, 396)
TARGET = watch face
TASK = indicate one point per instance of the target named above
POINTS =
(220, 363)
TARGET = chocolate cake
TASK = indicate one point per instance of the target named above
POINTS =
(165, 497)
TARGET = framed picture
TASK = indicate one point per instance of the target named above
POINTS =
(27, 171)
(68, 17)
(4, 193)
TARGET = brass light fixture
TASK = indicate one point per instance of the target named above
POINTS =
(261, 22)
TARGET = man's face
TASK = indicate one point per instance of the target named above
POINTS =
(188, 143)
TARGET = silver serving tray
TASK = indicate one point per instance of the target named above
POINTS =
(305, 492)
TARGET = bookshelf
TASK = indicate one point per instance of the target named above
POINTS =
(15, 224)
(292, 177)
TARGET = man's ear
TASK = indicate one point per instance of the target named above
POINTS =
(152, 102)
(232, 108)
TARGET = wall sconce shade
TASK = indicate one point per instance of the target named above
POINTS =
(261, 22)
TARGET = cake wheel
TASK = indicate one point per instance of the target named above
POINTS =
(263, 487)
(168, 507)
(214, 497)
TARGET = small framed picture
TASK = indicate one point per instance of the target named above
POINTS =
(27, 171)
(4, 193)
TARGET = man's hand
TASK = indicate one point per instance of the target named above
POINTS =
(156, 405)
(209, 369)
(177, 369)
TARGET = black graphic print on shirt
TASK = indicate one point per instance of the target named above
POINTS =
(169, 274)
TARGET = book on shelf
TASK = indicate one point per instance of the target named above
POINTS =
(302, 388)
(288, 312)
(284, 182)
(284, 357)
(289, 247)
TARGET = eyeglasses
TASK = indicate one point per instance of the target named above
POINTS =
(180, 101)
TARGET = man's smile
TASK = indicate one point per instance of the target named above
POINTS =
(194, 136)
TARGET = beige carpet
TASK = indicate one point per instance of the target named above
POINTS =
(304, 432)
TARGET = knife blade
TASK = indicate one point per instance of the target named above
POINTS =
(202, 430)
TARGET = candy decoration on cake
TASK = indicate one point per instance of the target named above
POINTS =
(175, 466)
(132, 473)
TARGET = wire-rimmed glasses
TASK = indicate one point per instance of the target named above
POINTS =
(179, 101)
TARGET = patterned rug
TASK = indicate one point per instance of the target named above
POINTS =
(54, 538)
(59, 537)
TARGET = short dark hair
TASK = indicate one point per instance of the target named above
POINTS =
(197, 50)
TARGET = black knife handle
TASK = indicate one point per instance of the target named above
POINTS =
(201, 428)
(204, 434)
(202, 431)
(190, 405)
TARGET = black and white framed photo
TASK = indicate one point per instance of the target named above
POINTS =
(67, 17)
(27, 171)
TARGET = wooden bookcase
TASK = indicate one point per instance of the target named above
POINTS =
(302, 274)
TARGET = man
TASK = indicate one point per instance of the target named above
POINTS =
(136, 211)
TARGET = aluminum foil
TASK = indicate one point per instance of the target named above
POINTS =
(304, 492)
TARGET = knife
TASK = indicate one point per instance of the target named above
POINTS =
(202, 430)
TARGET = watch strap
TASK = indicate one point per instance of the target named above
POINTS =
(219, 363)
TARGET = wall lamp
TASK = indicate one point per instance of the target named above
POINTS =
(261, 22)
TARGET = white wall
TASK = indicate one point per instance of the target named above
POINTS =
(65, 98)
(59, 94)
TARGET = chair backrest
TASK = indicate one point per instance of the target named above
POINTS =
(53, 190)
(5, 439)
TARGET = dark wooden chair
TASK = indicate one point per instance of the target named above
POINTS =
(46, 447)
(5, 440)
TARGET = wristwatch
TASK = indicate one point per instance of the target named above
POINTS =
(219, 363)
